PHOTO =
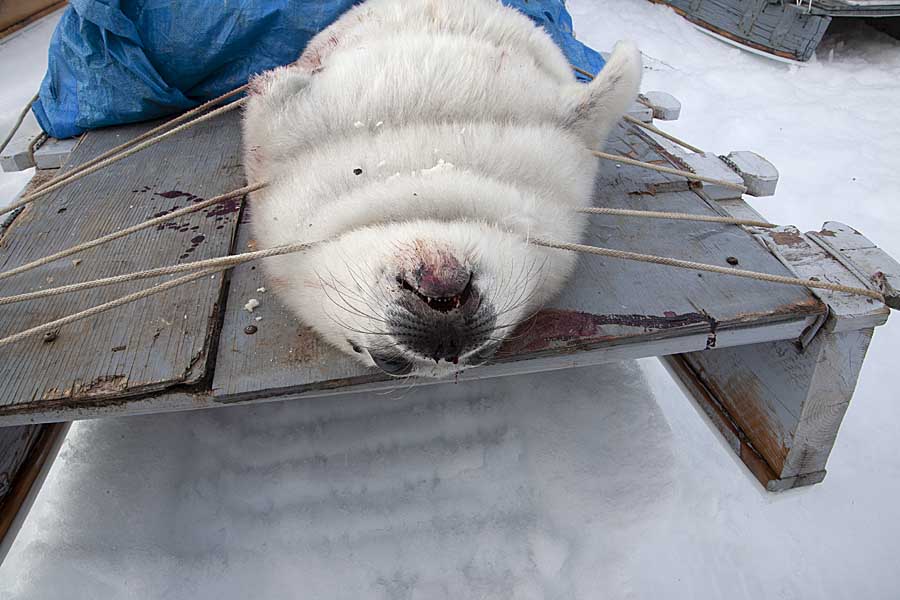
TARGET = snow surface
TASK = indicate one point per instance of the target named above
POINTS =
(593, 483)
(23, 60)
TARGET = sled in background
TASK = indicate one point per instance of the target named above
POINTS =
(777, 28)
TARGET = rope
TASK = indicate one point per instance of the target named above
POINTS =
(125, 154)
(21, 117)
(148, 134)
(214, 265)
(687, 264)
(222, 261)
(129, 230)
(35, 143)
(591, 76)
(178, 213)
(647, 126)
(587, 74)
(289, 248)
(225, 262)
(664, 134)
(687, 174)
(655, 214)
(52, 325)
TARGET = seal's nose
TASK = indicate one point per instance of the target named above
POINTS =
(442, 285)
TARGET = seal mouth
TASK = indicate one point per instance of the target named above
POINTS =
(444, 303)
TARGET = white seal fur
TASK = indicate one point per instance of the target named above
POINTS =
(425, 141)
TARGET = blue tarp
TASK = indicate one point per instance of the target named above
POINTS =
(122, 61)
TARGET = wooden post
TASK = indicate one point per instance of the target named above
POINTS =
(26, 454)
(780, 404)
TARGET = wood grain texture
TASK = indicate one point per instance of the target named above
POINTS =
(807, 259)
(149, 345)
(862, 257)
(35, 447)
(200, 398)
(608, 302)
(782, 29)
(786, 402)
(782, 402)
(15, 444)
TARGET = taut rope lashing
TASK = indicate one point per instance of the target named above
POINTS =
(129, 230)
(221, 261)
(696, 266)
(686, 174)
(289, 248)
(286, 249)
(147, 139)
(664, 134)
(591, 76)
(124, 154)
(215, 265)
(229, 261)
(656, 214)
(147, 134)
(252, 188)
(96, 310)
(18, 123)
(647, 126)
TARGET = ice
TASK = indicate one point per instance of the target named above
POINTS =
(601, 482)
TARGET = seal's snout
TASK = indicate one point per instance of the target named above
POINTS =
(439, 280)
(439, 309)
(442, 294)
(439, 314)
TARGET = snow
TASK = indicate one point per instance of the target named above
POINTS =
(598, 482)
(23, 60)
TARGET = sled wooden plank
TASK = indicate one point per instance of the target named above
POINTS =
(144, 346)
(200, 398)
(26, 455)
(608, 303)
(785, 30)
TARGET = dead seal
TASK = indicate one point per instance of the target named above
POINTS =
(426, 141)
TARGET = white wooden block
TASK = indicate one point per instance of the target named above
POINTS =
(759, 175)
(642, 113)
(54, 153)
(710, 165)
(666, 107)
(860, 255)
(15, 156)
(808, 260)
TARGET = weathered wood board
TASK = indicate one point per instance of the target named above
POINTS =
(147, 346)
(15, 444)
(26, 454)
(49, 154)
(612, 309)
(783, 29)
(608, 302)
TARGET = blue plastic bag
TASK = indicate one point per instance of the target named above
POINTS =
(122, 61)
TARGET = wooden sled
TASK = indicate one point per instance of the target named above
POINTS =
(782, 29)
(772, 366)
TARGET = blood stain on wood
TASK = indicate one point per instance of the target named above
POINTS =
(554, 327)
